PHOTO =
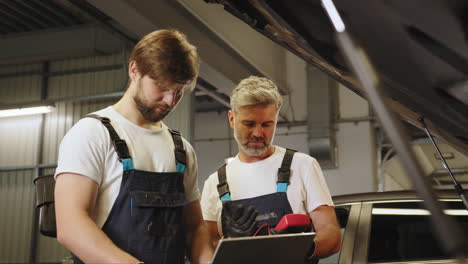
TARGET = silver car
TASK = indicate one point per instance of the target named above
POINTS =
(391, 227)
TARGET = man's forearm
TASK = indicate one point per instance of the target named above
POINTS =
(327, 241)
(75, 199)
(201, 247)
(87, 241)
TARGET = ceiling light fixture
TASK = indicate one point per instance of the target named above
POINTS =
(26, 111)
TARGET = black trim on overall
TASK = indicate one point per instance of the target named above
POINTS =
(284, 173)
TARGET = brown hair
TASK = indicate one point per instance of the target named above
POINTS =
(166, 54)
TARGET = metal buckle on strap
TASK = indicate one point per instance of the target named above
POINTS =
(121, 148)
(176, 132)
(223, 188)
(283, 175)
(180, 155)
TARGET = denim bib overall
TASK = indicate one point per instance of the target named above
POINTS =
(271, 207)
(146, 218)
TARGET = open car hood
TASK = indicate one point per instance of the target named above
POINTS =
(419, 49)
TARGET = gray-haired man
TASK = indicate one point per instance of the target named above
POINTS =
(252, 180)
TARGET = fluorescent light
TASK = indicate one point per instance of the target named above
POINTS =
(398, 211)
(26, 111)
(334, 16)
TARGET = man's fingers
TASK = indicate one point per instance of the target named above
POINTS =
(239, 211)
(247, 215)
(253, 224)
(250, 220)
(239, 220)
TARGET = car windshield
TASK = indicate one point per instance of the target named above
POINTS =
(401, 231)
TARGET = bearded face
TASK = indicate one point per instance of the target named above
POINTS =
(152, 112)
(155, 100)
(254, 128)
(253, 145)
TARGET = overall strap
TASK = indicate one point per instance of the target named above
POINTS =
(223, 187)
(119, 144)
(179, 151)
(285, 171)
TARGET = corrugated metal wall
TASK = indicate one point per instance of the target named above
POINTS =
(19, 138)
(16, 88)
(16, 196)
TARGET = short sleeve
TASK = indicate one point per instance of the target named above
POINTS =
(192, 192)
(210, 202)
(83, 150)
(314, 183)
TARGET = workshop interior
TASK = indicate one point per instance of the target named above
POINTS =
(380, 102)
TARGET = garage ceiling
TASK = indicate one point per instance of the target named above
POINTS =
(29, 16)
(73, 25)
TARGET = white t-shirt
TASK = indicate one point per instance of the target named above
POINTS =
(307, 189)
(87, 150)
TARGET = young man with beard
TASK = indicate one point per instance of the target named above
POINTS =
(252, 190)
(126, 185)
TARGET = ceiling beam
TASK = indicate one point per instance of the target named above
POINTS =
(144, 16)
(69, 42)
(267, 57)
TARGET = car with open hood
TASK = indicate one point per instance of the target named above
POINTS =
(419, 51)
(418, 48)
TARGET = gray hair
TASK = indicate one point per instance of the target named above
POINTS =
(255, 91)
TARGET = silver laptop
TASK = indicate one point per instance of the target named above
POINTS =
(275, 249)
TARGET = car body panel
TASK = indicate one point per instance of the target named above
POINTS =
(350, 235)
(362, 239)
(392, 195)
(357, 232)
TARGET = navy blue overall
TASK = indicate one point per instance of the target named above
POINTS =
(146, 218)
(271, 207)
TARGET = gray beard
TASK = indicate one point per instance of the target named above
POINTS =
(255, 152)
